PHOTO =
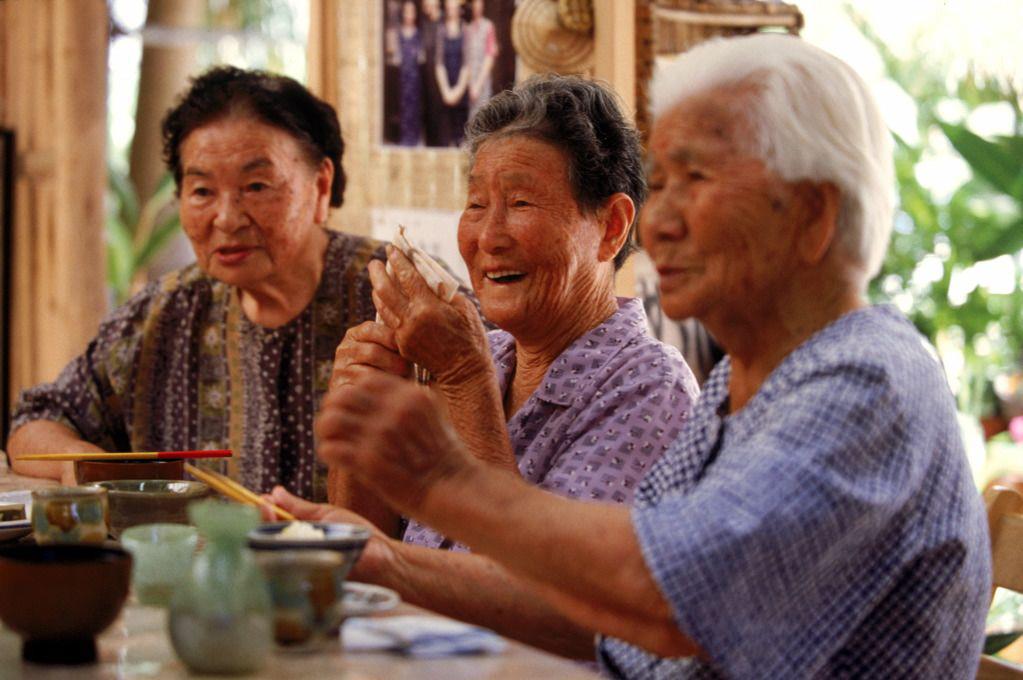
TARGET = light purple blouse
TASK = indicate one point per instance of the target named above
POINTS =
(608, 407)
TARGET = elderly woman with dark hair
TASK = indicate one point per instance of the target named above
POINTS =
(234, 351)
(572, 393)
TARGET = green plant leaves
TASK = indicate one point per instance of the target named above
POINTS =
(998, 163)
(136, 234)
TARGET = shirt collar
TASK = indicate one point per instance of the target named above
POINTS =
(590, 352)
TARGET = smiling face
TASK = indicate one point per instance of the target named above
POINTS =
(532, 254)
(720, 227)
(251, 201)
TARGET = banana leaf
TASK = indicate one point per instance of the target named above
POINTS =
(996, 163)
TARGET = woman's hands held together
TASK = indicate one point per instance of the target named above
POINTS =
(390, 434)
(448, 339)
(367, 348)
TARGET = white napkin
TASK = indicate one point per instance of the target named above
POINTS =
(421, 636)
(443, 284)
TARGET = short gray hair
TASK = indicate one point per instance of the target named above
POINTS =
(583, 119)
(815, 119)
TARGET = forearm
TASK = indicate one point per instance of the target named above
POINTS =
(45, 436)
(442, 80)
(588, 561)
(345, 491)
(477, 414)
(485, 69)
(474, 588)
(463, 82)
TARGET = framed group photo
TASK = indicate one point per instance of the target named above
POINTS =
(442, 60)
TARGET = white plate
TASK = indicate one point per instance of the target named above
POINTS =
(15, 529)
(361, 599)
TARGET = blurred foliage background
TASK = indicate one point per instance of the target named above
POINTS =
(954, 262)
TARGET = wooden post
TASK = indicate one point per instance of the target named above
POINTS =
(163, 75)
(614, 61)
(53, 94)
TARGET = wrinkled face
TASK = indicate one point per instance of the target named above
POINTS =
(719, 226)
(531, 253)
(250, 200)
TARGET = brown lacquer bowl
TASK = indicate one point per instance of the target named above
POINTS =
(102, 470)
(59, 597)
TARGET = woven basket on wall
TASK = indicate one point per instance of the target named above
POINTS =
(680, 24)
(576, 15)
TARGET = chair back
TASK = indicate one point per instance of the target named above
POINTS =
(1005, 524)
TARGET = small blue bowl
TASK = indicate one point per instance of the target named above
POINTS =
(337, 536)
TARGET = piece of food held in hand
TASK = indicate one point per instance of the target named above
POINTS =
(440, 281)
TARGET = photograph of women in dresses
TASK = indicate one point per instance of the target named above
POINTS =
(442, 60)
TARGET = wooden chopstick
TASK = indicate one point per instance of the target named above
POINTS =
(130, 455)
(235, 491)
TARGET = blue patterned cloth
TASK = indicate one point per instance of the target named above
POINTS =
(610, 405)
(828, 529)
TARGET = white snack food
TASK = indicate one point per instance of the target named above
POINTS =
(440, 281)
(302, 531)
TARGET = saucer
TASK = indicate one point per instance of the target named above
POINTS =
(361, 599)
(15, 529)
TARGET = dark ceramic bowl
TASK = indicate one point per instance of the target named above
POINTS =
(59, 597)
(101, 470)
(149, 501)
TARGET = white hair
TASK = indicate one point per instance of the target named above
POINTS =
(814, 118)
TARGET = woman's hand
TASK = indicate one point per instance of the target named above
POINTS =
(391, 436)
(379, 552)
(448, 339)
(366, 348)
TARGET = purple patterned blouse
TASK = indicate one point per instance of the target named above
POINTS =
(609, 406)
(179, 366)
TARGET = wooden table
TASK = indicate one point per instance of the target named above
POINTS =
(138, 646)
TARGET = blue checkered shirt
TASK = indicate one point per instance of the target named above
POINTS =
(828, 529)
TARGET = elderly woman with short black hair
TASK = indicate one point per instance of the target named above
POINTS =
(572, 393)
(234, 351)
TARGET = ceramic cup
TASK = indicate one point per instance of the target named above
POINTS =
(163, 559)
(307, 589)
(70, 514)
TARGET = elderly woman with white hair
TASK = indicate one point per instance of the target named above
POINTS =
(816, 517)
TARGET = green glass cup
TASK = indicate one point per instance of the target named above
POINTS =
(163, 559)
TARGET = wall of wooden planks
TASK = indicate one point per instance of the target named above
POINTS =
(53, 70)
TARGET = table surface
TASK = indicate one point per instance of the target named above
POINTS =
(138, 646)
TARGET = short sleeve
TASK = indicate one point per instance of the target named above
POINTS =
(789, 540)
(93, 392)
(623, 427)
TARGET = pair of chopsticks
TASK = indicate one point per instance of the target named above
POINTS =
(235, 491)
(131, 455)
